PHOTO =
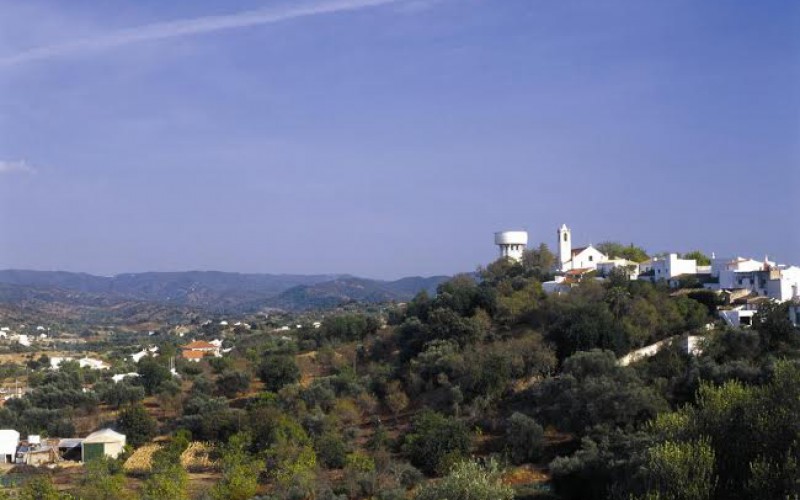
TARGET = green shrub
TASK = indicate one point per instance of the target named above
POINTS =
(435, 439)
(525, 438)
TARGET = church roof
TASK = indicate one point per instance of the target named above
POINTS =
(576, 251)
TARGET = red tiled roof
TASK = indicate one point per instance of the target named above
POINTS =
(199, 344)
(578, 272)
(194, 354)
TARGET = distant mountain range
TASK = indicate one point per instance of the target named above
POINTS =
(331, 293)
(212, 291)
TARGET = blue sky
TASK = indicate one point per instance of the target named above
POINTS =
(390, 138)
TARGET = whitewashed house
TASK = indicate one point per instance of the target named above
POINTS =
(605, 267)
(122, 376)
(9, 441)
(739, 316)
(199, 349)
(787, 286)
(766, 278)
(665, 268)
(150, 351)
(558, 285)
(93, 363)
(85, 362)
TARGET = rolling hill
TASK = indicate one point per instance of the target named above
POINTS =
(336, 292)
(213, 291)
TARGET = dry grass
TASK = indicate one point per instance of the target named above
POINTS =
(141, 462)
(525, 474)
(197, 457)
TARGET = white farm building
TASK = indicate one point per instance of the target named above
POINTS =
(9, 440)
(105, 442)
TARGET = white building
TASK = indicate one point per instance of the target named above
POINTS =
(55, 361)
(576, 258)
(122, 376)
(150, 351)
(9, 440)
(197, 350)
(738, 264)
(557, 286)
(605, 267)
(104, 442)
(765, 278)
(738, 316)
(738, 272)
(512, 244)
(563, 284)
(93, 363)
(672, 266)
(787, 286)
(85, 362)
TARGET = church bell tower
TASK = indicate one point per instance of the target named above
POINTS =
(564, 245)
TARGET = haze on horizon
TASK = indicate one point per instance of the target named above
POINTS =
(387, 138)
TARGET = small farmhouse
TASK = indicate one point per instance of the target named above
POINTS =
(105, 442)
(197, 350)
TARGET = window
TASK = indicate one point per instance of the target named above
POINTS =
(591, 258)
(565, 236)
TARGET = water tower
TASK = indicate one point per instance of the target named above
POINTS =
(511, 243)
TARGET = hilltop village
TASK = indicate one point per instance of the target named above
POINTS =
(741, 283)
(584, 372)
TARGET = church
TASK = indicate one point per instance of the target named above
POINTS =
(570, 259)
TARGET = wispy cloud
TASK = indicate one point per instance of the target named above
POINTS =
(188, 27)
(16, 167)
(415, 6)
